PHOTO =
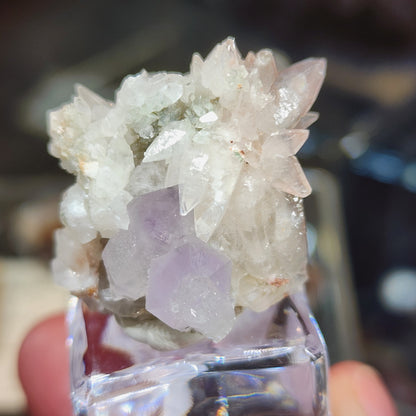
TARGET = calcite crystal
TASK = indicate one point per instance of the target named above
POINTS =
(188, 188)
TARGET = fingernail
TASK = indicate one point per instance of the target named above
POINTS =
(371, 392)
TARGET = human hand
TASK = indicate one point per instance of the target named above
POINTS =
(355, 389)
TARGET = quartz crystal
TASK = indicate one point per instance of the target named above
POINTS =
(186, 225)
(272, 363)
(190, 287)
(155, 228)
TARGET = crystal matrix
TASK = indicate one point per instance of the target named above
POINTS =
(223, 139)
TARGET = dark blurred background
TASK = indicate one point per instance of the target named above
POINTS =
(361, 153)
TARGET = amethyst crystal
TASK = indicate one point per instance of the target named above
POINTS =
(156, 227)
(186, 282)
(190, 287)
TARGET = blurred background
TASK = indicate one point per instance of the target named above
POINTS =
(361, 155)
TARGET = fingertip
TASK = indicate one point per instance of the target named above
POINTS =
(43, 367)
(357, 389)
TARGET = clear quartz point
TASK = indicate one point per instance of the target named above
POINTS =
(271, 363)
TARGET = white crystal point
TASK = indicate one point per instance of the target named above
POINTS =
(223, 70)
(284, 142)
(263, 233)
(143, 94)
(286, 174)
(99, 156)
(94, 101)
(163, 145)
(193, 190)
(76, 265)
(307, 120)
(74, 213)
(146, 178)
(297, 89)
(208, 177)
(68, 125)
(264, 64)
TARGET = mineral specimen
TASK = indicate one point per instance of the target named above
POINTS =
(191, 184)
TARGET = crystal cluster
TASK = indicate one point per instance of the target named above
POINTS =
(188, 189)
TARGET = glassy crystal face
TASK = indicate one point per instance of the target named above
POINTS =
(272, 363)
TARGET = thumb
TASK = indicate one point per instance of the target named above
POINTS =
(44, 369)
(357, 390)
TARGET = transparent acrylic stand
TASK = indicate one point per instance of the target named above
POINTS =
(272, 363)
